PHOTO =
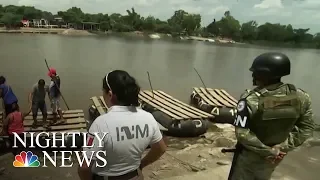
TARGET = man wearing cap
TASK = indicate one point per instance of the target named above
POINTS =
(55, 94)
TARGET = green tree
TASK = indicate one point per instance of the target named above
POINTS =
(177, 17)
(191, 22)
(300, 35)
(183, 22)
(72, 15)
(229, 26)
(213, 28)
(1, 10)
(249, 30)
(11, 20)
(149, 23)
(31, 13)
(316, 39)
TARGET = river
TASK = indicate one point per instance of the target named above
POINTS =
(83, 61)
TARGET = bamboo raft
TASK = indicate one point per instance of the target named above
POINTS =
(166, 104)
(75, 122)
(174, 108)
(214, 101)
(216, 97)
(181, 119)
(100, 105)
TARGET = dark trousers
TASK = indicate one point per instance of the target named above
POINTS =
(19, 148)
(39, 105)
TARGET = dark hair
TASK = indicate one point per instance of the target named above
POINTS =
(123, 86)
(2, 80)
(41, 82)
(15, 107)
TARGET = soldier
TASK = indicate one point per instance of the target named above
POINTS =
(272, 119)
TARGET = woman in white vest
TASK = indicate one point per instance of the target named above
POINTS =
(129, 131)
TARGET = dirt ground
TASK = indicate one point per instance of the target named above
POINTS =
(185, 157)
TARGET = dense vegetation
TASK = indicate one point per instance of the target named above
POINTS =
(180, 23)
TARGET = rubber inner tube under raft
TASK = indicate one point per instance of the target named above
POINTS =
(181, 119)
(174, 117)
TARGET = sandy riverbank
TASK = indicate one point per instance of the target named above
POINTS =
(60, 31)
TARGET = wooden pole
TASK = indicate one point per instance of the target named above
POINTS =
(54, 81)
(150, 84)
(200, 78)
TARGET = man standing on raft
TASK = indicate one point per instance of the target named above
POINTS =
(54, 95)
(37, 97)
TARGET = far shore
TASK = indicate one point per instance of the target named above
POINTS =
(63, 31)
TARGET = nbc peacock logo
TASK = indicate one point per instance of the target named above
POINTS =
(26, 159)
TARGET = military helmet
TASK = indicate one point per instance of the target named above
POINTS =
(272, 64)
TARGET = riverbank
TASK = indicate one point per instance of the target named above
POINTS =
(60, 31)
(186, 158)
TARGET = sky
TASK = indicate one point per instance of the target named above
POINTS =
(299, 13)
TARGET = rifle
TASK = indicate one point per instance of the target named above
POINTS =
(236, 152)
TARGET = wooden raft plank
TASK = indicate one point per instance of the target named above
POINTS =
(184, 113)
(64, 127)
(230, 97)
(160, 104)
(43, 135)
(226, 98)
(67, 112)
(40, 121)
(72, 130)
(203, 97)
(103, 102)
(218, 97)
(98, 105)
(160, 126)
(182, 106)
(180, 103)
(213, 97)
(66, 116)
(209, 96)
(150, 102)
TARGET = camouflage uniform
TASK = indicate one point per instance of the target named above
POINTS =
(278, 115)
